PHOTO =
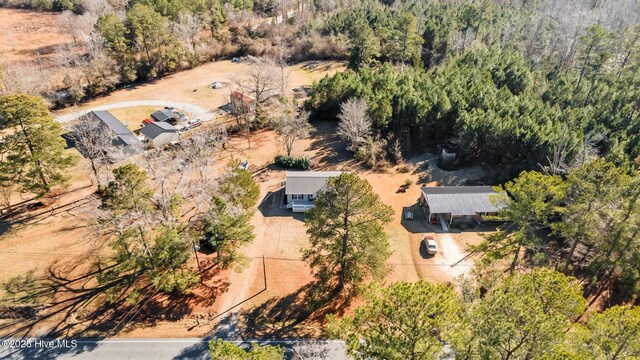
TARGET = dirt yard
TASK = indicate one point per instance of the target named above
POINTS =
(276, 277)
(192, 86)
(272, 287)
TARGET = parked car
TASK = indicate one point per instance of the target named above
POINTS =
(430, 244)
(434, 219)
(194, 123)
(408, 215)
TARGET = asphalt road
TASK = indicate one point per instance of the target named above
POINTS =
(155, 349)
(192, 109)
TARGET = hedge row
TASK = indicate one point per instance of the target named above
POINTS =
(303, 163)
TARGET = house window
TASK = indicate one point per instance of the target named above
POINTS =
(297, 197)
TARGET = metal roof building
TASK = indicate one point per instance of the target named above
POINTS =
(307, 182)
(124, 139)
(163, 115)
(159, 133)
(459, 200)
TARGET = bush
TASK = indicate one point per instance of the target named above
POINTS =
(293, 162)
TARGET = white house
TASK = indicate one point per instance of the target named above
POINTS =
(159, 133)
(302, 187)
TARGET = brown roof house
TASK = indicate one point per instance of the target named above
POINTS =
(241, 103)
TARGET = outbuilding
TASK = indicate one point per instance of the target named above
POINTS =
(241, 103)
(159, 133)
(165, 115)
(449, 204)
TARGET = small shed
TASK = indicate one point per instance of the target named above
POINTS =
(241, 103)
(159, 133)
(165, 115)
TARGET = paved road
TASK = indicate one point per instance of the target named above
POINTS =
(194, 110)
(161, 349)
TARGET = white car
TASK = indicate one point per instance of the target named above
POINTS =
(408, 215)
(430, 244)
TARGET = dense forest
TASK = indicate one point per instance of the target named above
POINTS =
(499, 97)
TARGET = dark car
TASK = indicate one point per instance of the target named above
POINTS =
(434, 219)
(209, 241)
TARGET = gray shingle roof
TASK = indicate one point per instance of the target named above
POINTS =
(307, 182)
(156, 128)
(123, 133)
(162, 115)
(459, 200)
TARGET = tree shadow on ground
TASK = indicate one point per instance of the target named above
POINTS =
(294, 316)
(34, 211)
(64, 304)
(329, 148)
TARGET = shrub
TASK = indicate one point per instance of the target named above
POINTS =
(408, 183)
(303, 163)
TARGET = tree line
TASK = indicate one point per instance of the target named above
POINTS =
(584, 224)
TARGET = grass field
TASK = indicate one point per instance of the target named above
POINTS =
(133, 116)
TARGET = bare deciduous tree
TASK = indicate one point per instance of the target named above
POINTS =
(355, 123)
(261, 80)
(95, 142)
(292, 126)
(6, 191)
(189, 28)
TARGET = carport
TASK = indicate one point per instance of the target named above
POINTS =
(462, 203)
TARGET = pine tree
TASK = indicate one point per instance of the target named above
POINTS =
(402, 321)
(346, 232)
(32, 151)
